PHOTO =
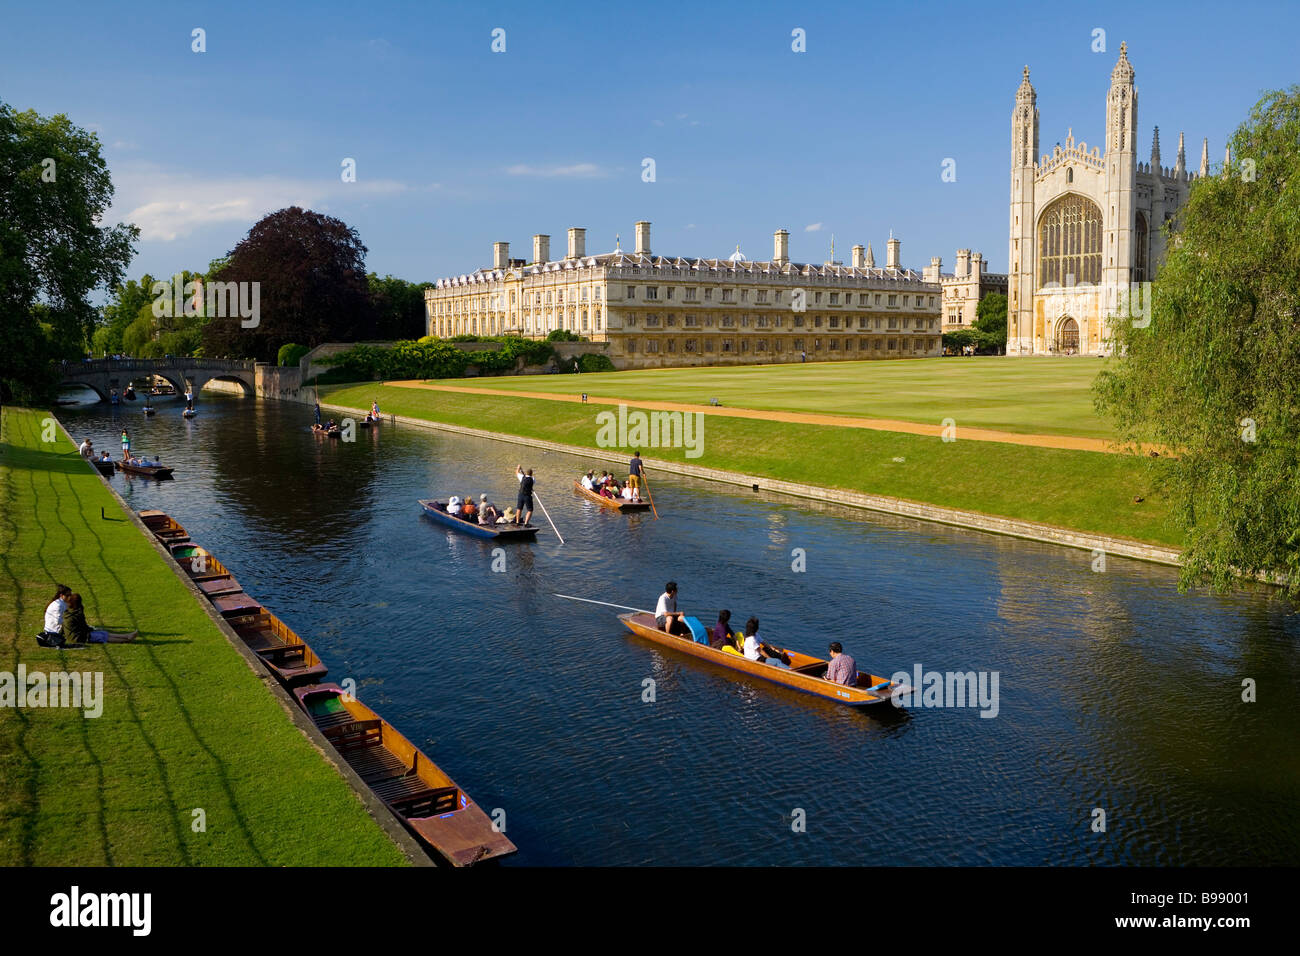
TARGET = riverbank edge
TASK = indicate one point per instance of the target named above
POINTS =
(883, 504)
(387, 821)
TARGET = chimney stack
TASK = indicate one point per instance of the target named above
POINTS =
(859, 257)
(577, 242)
(891, 253)
(541, 248)
(643, 238)
(500, 255)
(780, 247)
(977, 264)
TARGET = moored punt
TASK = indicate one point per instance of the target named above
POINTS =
(437, 510)
(237, 604)
(105, 468)
(413, 786)
(164, 526)
(613, 504)
(285, 654)
(805, 672)
(149, 471)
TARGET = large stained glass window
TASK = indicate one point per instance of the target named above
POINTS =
(1069, 242)
(1141, 241)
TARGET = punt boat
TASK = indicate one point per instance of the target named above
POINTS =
(437, 510)
(149, 471)
(285, 654)
(235, 604)
(414, 787)
(164, 527)
(210, 575)
(105, 468)
(613, 504)
(805, 672)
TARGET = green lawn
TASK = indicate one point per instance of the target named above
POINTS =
(1088, 491)
(186, 724)
(1050, 396)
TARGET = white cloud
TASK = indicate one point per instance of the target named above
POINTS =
(690, 225)
(813, 227)
(575, 171)
(167, 206)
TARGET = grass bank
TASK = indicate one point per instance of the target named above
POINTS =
(1047, 396)
(1086, 491)
(186, 725)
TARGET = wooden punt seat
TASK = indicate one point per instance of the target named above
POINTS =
(356, 734)
(225, 584)
(397, 788)
(281, 653)
(427, 803)
(815, 669)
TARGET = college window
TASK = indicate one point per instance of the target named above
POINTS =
(651, 292)
(744, 345)
(760, 322)
(670, 292)
(877, 298)
(798, 321)
(689, 345)
(835, 298)
(728, 322)
(893, 323)
(835, 345)
(631, 293)
(862, 298)
(798, 343)
(762, 296)
(744, 321)
(863, 322)
(817, 344)
(652, 345)
(817, 298)
(744, 295)
(708, 295)
(817, 321)
(893, 301)
(690, 294)
(893, 343)
(932, 302)
(598, 293)
(630, 322)
(920, 302)
(727, 295)
(708, 345)
(631, 345)
(835, 320)
(760, 345)
(777, 322)
(651, 321)
(672, 345)
(776, 298)
(726, 345)
(690, 321)
(671, 320)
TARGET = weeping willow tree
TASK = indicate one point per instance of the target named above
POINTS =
(1215, 376)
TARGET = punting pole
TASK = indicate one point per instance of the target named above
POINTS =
(570, 597)
(548, 517)
(648, 495)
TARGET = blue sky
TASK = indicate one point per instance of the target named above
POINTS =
(457, 146)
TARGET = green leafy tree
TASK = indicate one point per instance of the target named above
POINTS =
(990, 324)
(290, 353)
(1212, 376)
(54, 191)
(398, 306)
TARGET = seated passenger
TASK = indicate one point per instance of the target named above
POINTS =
(487, 511)
(721, 633)
(469, 509)
(508, 517)
(453, 505)
(588, 481)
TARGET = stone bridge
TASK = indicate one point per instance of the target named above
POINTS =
(103, 375)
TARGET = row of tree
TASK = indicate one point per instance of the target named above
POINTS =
(988, 333)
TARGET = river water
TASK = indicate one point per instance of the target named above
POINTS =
(1116, 694)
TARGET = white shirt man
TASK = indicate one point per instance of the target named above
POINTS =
(589, 481)
(85, 449)
(752, 646)
(54, 616)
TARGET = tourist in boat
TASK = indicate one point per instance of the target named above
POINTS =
(318, 414)
(189, 398)
(86, 448)
(843, 669)
(487, 511)
(524, 503)
(52, 635)
(667, 617)
(374, 411)
(77, 631)
(634, 470)
(469, 510)
(589, 480)
(126, 444)
(105, 457)
(753, 643)
(453, 505)
(507, 517)
(721, 630)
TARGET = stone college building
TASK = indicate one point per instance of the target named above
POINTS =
(1081, 216)
(657, 311)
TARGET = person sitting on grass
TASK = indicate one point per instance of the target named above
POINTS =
(77, 631)
(55, 612)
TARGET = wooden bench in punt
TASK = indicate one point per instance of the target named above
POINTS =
(426, 798)
(285, 654)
